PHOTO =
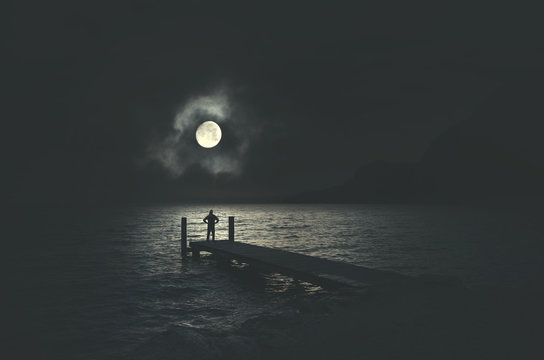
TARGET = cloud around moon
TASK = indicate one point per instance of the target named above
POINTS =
(179, 150)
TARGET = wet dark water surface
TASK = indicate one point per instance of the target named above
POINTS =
(100, 283)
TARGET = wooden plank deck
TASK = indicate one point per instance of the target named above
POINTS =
(309, 268)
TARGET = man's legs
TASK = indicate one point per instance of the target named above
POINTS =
(213, 234)
(208, 235)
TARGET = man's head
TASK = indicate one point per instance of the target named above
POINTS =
(211, 212)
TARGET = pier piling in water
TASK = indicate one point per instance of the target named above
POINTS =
(183, 237)
(231, 228)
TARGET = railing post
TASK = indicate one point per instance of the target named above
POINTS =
(231, 228)
(183, 237)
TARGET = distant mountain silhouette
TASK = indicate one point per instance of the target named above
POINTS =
(498, 154)
(460, 165)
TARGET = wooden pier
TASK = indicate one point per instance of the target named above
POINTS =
(300, 266)
(304, 267)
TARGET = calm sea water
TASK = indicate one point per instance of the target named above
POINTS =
(98, 283)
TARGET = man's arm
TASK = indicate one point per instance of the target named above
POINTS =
(206, 218)
(216, 219)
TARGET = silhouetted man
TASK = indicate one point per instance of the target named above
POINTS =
(211, 220)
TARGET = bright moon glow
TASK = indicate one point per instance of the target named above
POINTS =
(208, 134)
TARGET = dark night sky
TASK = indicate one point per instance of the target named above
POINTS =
(314, 91)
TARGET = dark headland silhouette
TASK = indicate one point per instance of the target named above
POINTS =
(497, 154)
(460, 165)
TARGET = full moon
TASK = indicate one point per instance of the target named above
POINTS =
(208, 134)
